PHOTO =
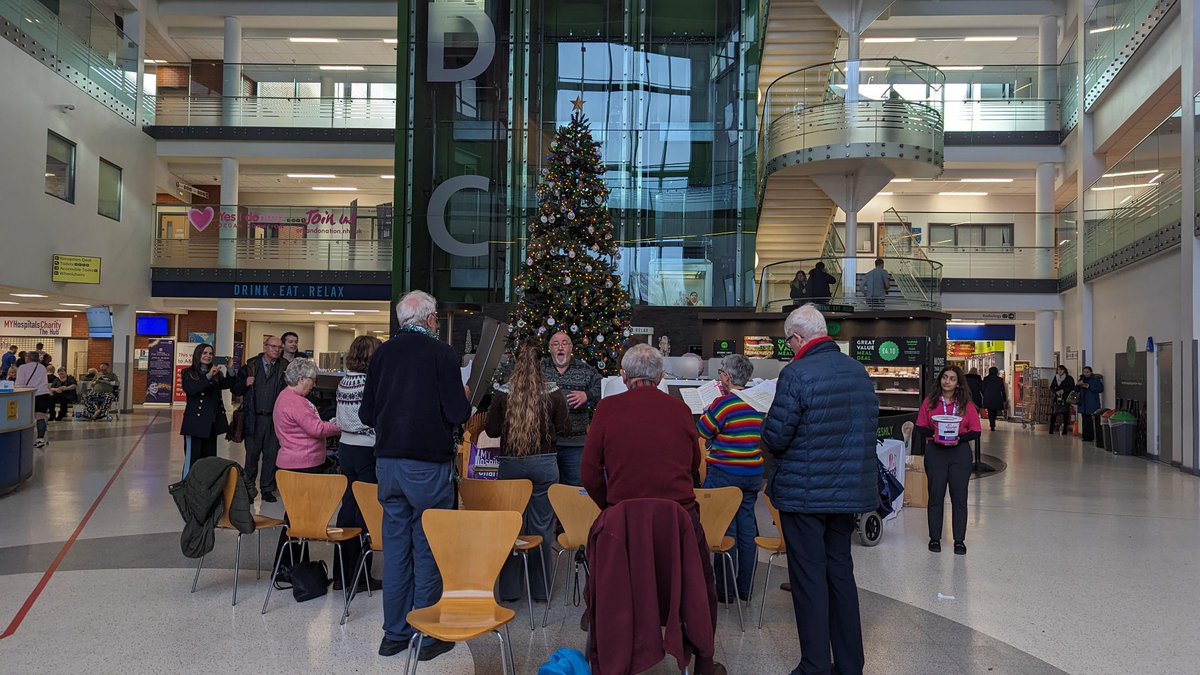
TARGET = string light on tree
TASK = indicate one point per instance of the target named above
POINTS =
(570, 279)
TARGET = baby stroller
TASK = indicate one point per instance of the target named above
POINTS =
(869, 526)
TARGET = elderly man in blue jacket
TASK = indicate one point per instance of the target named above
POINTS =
(821, 430)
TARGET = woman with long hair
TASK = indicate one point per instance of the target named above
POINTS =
(204, 418)
(949, 463)
(798, 289)
(527, 418)
(356, 452)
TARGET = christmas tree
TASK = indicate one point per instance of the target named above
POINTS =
(569, 281)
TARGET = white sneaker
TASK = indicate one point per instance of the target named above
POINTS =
(39, 443)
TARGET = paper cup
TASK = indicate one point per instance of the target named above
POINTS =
(946, 428)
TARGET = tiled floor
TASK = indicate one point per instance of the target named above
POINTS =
(1079, 561)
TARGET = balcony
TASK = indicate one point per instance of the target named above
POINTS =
(82, 46)
(1113, 32)
(915, 284)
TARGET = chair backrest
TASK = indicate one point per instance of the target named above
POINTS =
(474, 425)
(718, 506)
(469, 548)
(495, 495)
(703, 459)
(367, 496)
(310, 500)
(231, 479)
(575, 510)
(773, 511)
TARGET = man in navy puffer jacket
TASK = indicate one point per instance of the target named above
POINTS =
(821, 430)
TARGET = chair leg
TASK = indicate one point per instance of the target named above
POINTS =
(738, 603)
(258, 557)
(354, 586)
(342, 572)
(367, 552)
(545, 577)
(766, 587)
(271, 582)
(528, 588)
(197, 577)
(553, 579)
(503, 657)
(237, 564)
(512, 664)
(414, 651)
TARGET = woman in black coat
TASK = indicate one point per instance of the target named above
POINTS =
(204, 418)
(1060, 387)
(995, 395)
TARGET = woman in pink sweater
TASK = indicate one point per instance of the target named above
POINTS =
(299, 428)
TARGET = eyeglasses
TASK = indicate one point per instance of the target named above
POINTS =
(721, 371)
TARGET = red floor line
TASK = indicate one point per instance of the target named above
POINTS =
(62, 554)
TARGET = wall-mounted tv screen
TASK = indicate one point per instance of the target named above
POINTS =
(99, 322)
(152, 326)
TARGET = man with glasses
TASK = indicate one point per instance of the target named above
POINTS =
(259, 384)
(413, 398)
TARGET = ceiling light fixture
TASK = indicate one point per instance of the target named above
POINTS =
(313, 40)
(60, 309)
(1142, 172)
(327, 188)
(73, 304)
(1063, 242)
(28, 295)
(311, 175)
(8, 302)
(985, 180)
(873, 69)
(144, 311)
(900, 180)
(1106, 188)
(262, 309)
(388, 176)
(342, 68)
(360, 311)
(954, 322)
(887, 40)
(390, 41)
(884, 194)
(962, 194)
(945, 68)
(990, 38)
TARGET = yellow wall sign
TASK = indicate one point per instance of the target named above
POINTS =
(76, 269)
(12, 410)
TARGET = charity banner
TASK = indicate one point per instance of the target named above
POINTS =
(183, 361)
(160, 368)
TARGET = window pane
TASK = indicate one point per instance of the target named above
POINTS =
(109, 193)
(941, 235)
(60, 167)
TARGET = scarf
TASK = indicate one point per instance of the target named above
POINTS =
(1059, 377)
(411, 328)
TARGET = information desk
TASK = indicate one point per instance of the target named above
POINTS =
(17, 434)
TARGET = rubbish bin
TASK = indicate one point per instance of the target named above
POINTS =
(1122, 427)
(1103, 431)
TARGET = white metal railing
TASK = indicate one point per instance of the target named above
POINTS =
(363, 255)
(258, 111)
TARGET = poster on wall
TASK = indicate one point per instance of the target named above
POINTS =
(205, 338)
(183, 361)
(160, 369)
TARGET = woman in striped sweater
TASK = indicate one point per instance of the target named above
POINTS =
(732, 428)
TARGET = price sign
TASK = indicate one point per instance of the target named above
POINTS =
(895, 351)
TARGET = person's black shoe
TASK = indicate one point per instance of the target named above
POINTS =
(392, 647)
(785, 586)
(960, 548)
(269, 497)
(433, 648)
(376, 584)
(935, 546)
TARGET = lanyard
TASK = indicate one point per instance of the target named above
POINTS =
(952, 411)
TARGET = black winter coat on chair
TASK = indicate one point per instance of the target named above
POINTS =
(204, 416)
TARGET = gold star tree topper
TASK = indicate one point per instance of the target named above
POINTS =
(578, 103)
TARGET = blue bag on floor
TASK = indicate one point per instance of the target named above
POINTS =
(566, 662)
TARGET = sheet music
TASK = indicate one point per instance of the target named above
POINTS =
(691, 396)
(759, 397)
(466, 372)
(709, 392)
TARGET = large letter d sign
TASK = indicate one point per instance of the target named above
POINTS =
(445, 18)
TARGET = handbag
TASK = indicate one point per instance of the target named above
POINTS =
(1073, 398)
(307, 580)
(237, 426)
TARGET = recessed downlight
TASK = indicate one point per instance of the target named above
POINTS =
(313, 40)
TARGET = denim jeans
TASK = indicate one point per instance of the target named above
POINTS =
(743, 529)
(542, 470)
(356, 463)
(410, 576)
(570, 457)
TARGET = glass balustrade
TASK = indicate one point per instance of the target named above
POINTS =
(1113, 32)
(915, 284)
(1068, 88)
(82, 45)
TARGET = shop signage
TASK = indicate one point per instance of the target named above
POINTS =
(34, 326)
(961, 350)
(1131, 377)
(315, 221)
(216, 289)
(75, 269)
(985, 316)
(835, 309)
(723, 348)
(783, 351)
(890, 351)
(160, 369)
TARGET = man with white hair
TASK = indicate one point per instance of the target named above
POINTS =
(413, 398)
(821, 430)
(580, 384)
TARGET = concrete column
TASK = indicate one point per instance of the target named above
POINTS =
(231, 81)
(320, 343)
(1043, 339)
(1091, 168)
(850, 263)
(124, 328)
(225, 329)
(1187, 433)
(1048, 70)
(1044, 221)
(227, 228)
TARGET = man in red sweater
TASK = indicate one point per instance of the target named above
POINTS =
(642, 444)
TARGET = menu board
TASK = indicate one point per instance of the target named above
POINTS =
(890, 351)
(767, 347)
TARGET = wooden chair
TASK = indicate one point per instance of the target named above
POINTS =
(718, 507)
(776, 547)
(703, 460)
(310, 500)
(367, 497)
(469, 548)
(576, 512)
(508, 495)
(260, 523)
(471, 431)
